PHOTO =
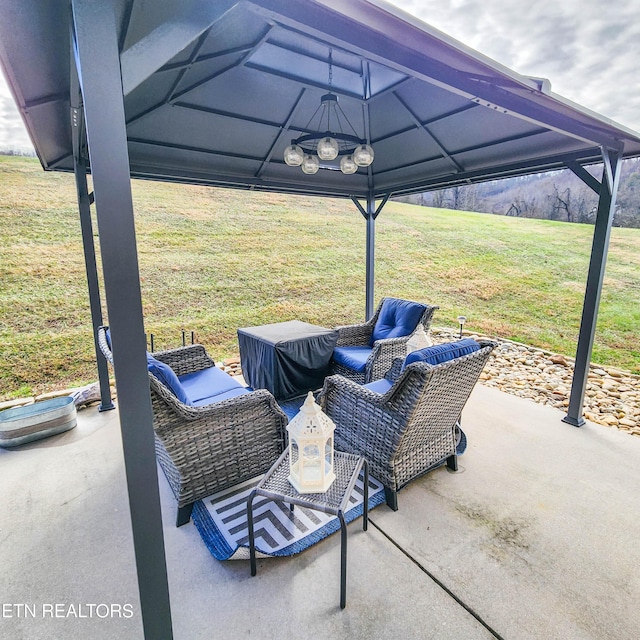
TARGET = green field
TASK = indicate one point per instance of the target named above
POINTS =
(213, 260)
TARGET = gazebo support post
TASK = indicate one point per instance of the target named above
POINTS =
(86, 226)
(370, 214)
(601, 235)
(98, 65)
(79, 141)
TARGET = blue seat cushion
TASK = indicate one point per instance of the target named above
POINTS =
(397, 318)
(440, 353)
(207, 383)
(225, 395)
(167, 376)
(353, 358)
(379, 386)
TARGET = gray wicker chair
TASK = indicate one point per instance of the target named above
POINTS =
(409, 429)
(206, 449)
(383, 352)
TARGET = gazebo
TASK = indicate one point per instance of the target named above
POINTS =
(239, 94)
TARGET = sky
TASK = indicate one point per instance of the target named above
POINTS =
(588, 49)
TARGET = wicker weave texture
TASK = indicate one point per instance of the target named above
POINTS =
(383, 352)
(409, 429)
(206, 449)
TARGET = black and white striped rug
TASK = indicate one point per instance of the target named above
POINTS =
(221, 520)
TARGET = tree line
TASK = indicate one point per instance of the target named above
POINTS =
(554, 195)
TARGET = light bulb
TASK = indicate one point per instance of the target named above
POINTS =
(293, 155)
(327, 149)
(310, 164)
(363, 155)
(347, 165)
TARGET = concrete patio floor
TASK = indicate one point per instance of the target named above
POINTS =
(536, 536)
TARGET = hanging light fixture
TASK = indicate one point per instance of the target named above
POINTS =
(327, 140)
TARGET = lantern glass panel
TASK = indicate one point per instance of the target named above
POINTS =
(328, 455)
(311, 461)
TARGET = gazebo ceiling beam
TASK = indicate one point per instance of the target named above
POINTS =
(171, 98)
(227, 114)
(194, 54)
(191, 19)
(45, 100)
(176, 66)
(283, 129)
(169, 173)
(463, 150)
(426, 123)
(239, 62)
(306, 82)
(390, 89)
(336, 64)
(244, 118)
(184, 147)
(423, 127)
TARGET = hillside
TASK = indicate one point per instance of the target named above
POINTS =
(214, 260)
(554, 195)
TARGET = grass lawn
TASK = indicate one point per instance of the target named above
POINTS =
(213, 260)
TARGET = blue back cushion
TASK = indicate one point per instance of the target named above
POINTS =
(169, 379)
(397, 318)
(440, 353)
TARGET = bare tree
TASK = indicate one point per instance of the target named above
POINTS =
(440, 198)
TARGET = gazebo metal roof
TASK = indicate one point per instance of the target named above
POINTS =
(214, 95)
(211, 92)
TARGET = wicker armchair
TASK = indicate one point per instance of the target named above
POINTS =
(382, 353)
(205, 449)
(410, 427)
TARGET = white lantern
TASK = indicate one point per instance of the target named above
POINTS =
(363, 155)
(311, 449)
(327, 148)
(419, 340)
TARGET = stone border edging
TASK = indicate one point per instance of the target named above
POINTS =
(612, 397)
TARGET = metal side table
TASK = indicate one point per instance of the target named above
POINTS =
(276, 486)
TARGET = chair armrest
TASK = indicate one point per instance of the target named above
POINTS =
(382, 355)
(364, 420)
(394, 372)
(337, 388)
(188, 359)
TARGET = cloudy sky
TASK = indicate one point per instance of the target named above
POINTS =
(589, 49)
